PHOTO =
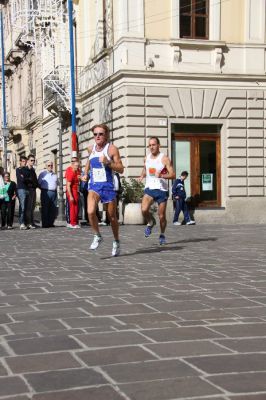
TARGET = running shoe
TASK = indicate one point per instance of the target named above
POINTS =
(191, 222)
(148, 229)
(162, 239)
(177, 223)
(97, 239)
(23, 227)
(116, 248)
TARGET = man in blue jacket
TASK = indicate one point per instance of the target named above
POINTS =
(179, 195)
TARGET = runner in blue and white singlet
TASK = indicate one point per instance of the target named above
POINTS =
(101, 175)
(104, 159)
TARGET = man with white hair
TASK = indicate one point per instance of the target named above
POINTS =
(48, 183)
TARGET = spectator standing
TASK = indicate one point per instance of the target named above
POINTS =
(8, 205)
(83, 189)
(179, 195)
(31, 182)
(72, 176)
(22, 191)
(2, 187)
(48, 183)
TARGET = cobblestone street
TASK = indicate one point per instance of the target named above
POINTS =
(183, 321)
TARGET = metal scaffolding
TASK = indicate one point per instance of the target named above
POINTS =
(43, 25)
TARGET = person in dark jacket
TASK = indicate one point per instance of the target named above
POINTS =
(22, 190)
(8, 205)
(31, 183)
(179, 196)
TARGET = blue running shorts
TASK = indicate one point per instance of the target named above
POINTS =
(160, 196)
(106, 195)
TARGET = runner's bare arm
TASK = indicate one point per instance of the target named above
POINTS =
(115, 163)
(170, 170)
(143, 173)
(87, 166)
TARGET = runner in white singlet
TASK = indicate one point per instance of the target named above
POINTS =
(158, 170)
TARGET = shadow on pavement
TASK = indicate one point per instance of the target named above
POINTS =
(160, 249)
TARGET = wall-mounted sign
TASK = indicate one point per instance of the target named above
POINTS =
(207, 182)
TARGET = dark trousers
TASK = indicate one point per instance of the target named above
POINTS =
(7, 212)
(30, 206)
(48, 207)
(22, 197)
(181, 205)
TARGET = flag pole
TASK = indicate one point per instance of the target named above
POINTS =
(74, 141)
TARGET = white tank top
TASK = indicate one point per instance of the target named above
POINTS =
(152, 165)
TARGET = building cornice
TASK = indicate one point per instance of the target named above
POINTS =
(155, 75)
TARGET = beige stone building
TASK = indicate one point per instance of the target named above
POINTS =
(191, 72)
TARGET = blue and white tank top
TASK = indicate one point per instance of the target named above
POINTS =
(101, 176)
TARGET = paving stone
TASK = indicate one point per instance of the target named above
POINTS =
(99, 393)
(175, 334)
(150, 370)
(12, 385)
(230, 363)
(48, 314)
(115, 355)
(185, 349)
(112, 339)
(241, 330)
(122, 309)
(169, 389)
(16, 398)
(42, 345)
(3, 371)
(241, 383)
(3, 352)
(42, 362)
(35, 326)
(140, 319)
(249, 397)
(50, 297)
(4, 318)
(91, 322)
(244, 345)
(70, 378)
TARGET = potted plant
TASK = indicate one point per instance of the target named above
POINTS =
(131, 196)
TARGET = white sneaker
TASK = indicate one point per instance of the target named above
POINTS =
(191, 223)
(73, 226)
(96, 241)
(23, 227)
(177, 223)
(116, 248)
(31, 226)
(76, 226)
(102, 223)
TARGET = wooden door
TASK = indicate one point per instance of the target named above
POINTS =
(199, 154)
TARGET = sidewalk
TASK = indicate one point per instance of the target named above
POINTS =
(183, 321)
